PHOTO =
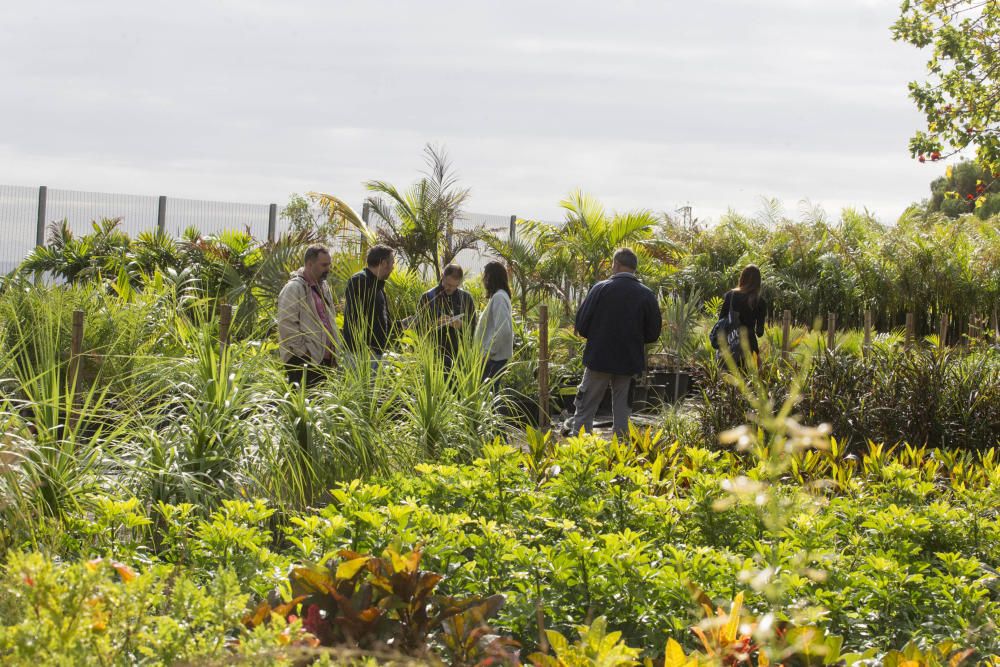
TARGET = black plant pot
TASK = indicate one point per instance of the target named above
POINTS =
(667, 386)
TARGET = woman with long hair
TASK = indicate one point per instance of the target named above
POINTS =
(746, 301)
(495, 330)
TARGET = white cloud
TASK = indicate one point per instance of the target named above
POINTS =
(647, 104)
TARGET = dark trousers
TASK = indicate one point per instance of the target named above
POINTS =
(305, 372)
(493, 369)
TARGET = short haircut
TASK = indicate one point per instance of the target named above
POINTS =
(453, 271)
(378, 254)
(314, 251)
(625, 257)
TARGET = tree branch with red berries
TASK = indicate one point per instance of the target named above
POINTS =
(961, 96)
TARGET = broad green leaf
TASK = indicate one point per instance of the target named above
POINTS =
(348, 569)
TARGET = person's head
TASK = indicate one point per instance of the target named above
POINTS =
(624, 261)
(316, 263)
(451, 278)
(495, 278)
(380, 261)
(750, 282)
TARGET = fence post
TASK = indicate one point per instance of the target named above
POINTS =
(512, 233)
(868, 330)
(225, 320)
(43, 195)
(72, 382)
(272, 222)
(786, 333)
(943, 331)
(161, 215)
(831, 330)
(909, 329)
(543, 367)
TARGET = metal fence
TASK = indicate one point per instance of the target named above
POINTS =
(26, 214)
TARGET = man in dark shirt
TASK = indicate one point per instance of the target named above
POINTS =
(366, 312)
(619, 317)
(448, 310)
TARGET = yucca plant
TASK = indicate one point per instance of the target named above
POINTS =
(446, 409)
(198, 445)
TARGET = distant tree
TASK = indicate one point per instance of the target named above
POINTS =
(300, 216)
(961, 96)
(965, 188)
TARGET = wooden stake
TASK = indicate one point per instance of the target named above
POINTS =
(973, 328)
(225, 320)
(543, 642)
(831, 330)
(73, 381)
(543, 367)
(868, 330)
(786, 333)
(909, 329)
(943, 331)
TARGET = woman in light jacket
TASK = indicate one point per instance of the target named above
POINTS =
(495, 331)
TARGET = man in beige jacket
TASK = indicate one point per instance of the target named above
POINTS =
(308, 339)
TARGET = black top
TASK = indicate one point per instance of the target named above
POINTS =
(751, 319)
(436, 302)
(618, 318)
(366, 313)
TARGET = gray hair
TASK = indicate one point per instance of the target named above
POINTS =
(314, 251)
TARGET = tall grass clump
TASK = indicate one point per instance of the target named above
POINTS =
(446, 410)
(58, 432)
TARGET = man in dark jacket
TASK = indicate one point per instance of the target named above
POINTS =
(619, 317)
(447, 309)
(366, 313)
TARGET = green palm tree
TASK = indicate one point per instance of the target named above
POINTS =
(582, 248)
(525, 256)
(419, 222)
(77, 258)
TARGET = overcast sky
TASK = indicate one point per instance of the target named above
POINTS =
(650, 104)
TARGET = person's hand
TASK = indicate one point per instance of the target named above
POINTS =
(442, 320)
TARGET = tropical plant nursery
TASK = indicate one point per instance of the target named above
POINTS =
(168, 497)
(800, 467)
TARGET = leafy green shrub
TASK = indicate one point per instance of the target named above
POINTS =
(103, 612)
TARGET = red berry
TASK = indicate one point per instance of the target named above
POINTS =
(935, 155)
(921, 158)
(969, 197)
